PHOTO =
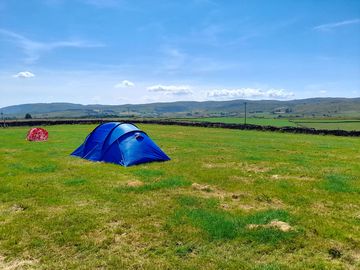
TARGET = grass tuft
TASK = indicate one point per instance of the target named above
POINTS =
(146, 174)
(184, 250)
(75, 182)
(43, 169)
(265, 217)
(167, 183)
(339, 183)
(268, 267)
(219, 224)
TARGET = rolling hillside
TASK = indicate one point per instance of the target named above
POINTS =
(319, 107)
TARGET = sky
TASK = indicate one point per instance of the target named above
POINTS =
(143, 51)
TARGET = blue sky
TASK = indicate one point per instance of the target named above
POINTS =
(141, 51)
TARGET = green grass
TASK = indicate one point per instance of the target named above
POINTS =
(62, 212)
(277, 122)
(162, 184)
(339, 183)
(342, 124)
(219, 224)
(330, 124)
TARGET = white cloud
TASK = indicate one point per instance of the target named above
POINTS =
(34, 49)
(178, 90)
(323, 91)
(24, 75)
(249, 93)
(124, 84)
(330, 26)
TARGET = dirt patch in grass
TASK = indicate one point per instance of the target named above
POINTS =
(265, 198)
(134, 183)
(291, 177)
(111, 231)
(167, 183)
(254, 168)
(274, 224)
(17, 264)
(18, 208)
(200, 187)
(321, 208)
(250, 206)
(218, 165)
(239, 200)
(208, 191)
(355, 256)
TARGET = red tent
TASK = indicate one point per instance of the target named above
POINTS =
(37, 134)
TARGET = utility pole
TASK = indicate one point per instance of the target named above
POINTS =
(3, 119)
(245, 113)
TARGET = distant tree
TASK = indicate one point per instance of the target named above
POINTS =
(28, 116)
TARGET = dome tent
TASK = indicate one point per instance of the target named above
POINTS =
(119, 143)
(37, 135)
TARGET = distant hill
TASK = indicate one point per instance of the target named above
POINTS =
(318, 107)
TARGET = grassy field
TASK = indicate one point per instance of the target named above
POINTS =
(277, 122)
(330, 124)
(228, 199)
(282, 122)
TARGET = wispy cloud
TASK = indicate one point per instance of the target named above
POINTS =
(224, 94)
(124, 84)
(331, 26)
(174, 59)
(24, 75)
(34, 49)
(177, 90)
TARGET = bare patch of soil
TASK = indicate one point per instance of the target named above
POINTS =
(274, 224)
(254, 168)
(292, 177)
(210, 191)
(115, 228)
(134, 183)
(16, 264)
(18, 208)
(200, 187)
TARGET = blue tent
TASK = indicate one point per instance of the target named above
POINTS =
(119, 143)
